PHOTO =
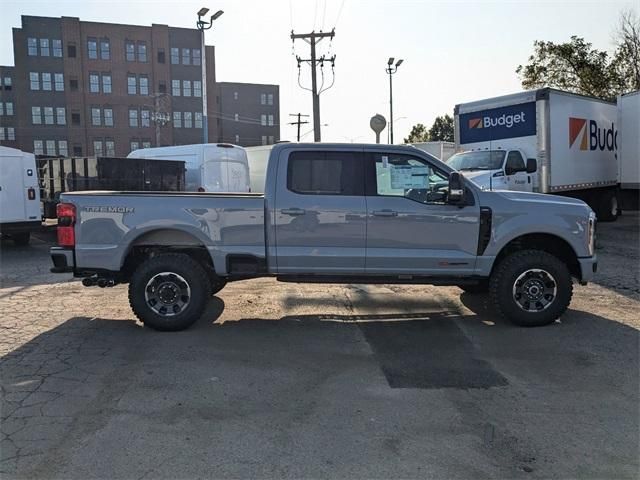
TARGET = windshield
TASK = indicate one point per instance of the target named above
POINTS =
(482, 160)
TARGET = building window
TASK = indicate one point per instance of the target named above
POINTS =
(133, 117)
(186, 56)
(236, 117)
(161, 57)
(263, 120)
(263, 99)
(50, 147)
(96, 120)
(146, 144)
(38, 147)
(134, 145)
(197, 88)
(270, 120)
(105, 49)
(77, 150)
(73, 84)
(198, 119)
(271, 140)
(59, 82)
(175, 56)
(1, 109)
(186, 88)
(34, 81)
(177, 120)
(92, 48)
(237, 138)
(130, 51)
(110, 146)
(97, 148)
(108, 117)
(131, 84)
(145, 117)
(7, 83)
(235, 95)
(32, 47)
(94, 83)
(46, 81)
(11, 133)
(264, 139)
(57, 48)
(175, 88)
(270, 99)
(162, 87)
(106, 83)
(188, 120)
(144, 85)
(142, 52)
(63, 149)
(75, 118)
(44, 47)
(71, 50)
(9, 108)
(196, 55)
(36, 115)
(2, 137)
(61, 116)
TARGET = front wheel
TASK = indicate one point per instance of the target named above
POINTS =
(531, 288)
(169, 292)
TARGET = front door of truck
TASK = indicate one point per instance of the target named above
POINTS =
(320, 212)
(411, 229)
(516, 171)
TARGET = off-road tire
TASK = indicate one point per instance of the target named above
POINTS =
(182, 265)
(217, 284)
(21, 239)
(507, 272)
(476, 288)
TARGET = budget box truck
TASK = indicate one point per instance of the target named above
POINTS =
(543, 140)
(629, 149)
(19, 195)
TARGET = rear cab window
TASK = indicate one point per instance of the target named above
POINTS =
(326, 173)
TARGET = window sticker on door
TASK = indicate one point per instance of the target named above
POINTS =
(385, 161)
(408, 176)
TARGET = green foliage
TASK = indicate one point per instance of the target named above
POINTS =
(441, 130)
(418, 134)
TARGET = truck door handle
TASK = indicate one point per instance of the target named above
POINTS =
(528, 178)
(293, 211)
(385, 213)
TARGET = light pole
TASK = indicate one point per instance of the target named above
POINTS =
(391, 69)
(202, 26)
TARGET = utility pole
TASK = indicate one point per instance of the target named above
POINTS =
(202, 26)
(299, 122)
(391, 69)
(312, 39)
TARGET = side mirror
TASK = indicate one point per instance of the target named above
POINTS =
(456, 189)
(532, 165)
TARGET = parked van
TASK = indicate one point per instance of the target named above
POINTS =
(258, 158)
(19, 195)
(210, 167)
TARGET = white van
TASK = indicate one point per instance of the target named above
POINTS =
(19, 195)
(258, 157)
(210, 167)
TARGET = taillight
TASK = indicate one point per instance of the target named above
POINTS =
(31, 193)
(66, 213)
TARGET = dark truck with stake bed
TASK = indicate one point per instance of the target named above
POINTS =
(332, 213)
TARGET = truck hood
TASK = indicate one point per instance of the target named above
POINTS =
(538, 198)
(485, 179)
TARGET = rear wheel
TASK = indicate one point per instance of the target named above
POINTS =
(531, 288)
(21, 239)
(169, 292)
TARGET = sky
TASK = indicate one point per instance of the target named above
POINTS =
(454, 51)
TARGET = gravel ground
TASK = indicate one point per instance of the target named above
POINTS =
(290, 381)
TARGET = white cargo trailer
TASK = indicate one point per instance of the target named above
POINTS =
(440, 150)
(629, 149)
(211, 167)
(19, 195)
(571, 137)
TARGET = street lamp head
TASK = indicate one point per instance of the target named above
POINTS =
(399, 62)
(216, 15)
(203, 11)
(390, 62)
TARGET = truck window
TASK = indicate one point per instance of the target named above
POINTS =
(325, 173)
(515, 161)
(411, 178)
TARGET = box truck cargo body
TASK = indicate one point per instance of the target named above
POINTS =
(19, 195)
(210, 167)
(573, 139)
(629, 149)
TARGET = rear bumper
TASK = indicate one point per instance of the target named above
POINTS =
(63, 260)
(20, 227)
(588, 268)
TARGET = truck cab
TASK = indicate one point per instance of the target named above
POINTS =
(496, 169)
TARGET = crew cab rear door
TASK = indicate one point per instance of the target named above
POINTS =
(320, 212)
(410, 227)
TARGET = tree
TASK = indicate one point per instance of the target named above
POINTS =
(418, 134)
(626, 60)
(442, 129)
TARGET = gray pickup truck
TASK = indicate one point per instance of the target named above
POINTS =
(332, 213)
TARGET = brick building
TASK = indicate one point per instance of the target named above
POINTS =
(87, 88)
